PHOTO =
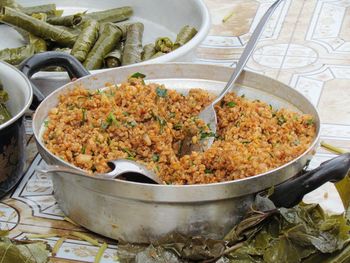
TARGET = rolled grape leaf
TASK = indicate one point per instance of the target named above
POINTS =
(64, 49)
(48, 9)
(15, 56)
(112, 15)
(73, 30)
(9, 3)
(185, 35)
(133, 44)
(164, 44)
(37, 27)
(114, 58)
(107, 41)
(123, 28)
(106, 16)
(86, 40)
(158, 54)
(148, 52)
(38, 43)
(68, 21)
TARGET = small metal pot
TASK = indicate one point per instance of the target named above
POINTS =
(12, 132)
(141, 213)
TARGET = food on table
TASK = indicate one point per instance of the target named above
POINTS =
(45, 28)
(148, 51)
(86, 40)
(109, 38)
(147, 123)
(114, 58)
(69, 21)
(158, 54)
(302, 234)
(111, 15)
(15, 56)
(164, 44)
(9, 3)
(4, 113)
(133, 44)
(48, 9)
(37, 27)
(185, 35)
(38, 43)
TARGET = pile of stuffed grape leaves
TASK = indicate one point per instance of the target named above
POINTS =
(99, 39)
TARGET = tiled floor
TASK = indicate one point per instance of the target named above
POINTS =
(306, 45)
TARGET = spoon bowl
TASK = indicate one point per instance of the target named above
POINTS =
(121, 169)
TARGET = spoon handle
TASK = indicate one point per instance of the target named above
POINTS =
(248, 50)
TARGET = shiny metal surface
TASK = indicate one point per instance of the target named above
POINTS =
(19, 89)
(12, 132)
(137, 212)
(130, 170)
(208, 115)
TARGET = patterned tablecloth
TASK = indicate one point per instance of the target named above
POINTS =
(306, 45)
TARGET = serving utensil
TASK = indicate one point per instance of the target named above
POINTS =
(208, 115)
(121, 168)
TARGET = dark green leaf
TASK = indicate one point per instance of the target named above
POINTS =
(208, 171)
(112, 120)
(231, 104)
(84, 112)
(32, 252)
(132, 123)
(161, 92)
(178, 126)
(138, 75)
(281, 120)
(192, 248)
(283, 250)
(155, 157)
(157, 255)
(310, 122)
(204, 135)
(129, 152)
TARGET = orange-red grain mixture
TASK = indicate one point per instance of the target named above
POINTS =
(147, 123)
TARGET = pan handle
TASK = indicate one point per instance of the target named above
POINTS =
(39, 61)
(291, 192)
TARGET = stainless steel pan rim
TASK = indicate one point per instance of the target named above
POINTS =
(182, 193)
(28, 100)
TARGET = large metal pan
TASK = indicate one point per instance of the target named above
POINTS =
(12, 132)
(137, 212)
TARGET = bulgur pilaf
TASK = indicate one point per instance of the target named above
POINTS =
(147, 123)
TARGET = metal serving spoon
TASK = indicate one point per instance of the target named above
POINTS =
(121, 168)
(208, 115)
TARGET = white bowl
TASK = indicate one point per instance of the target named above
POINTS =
(160, 17)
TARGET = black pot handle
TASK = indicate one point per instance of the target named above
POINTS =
(39, 61)
(291, 192)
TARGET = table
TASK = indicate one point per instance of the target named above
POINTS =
(306, 45)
